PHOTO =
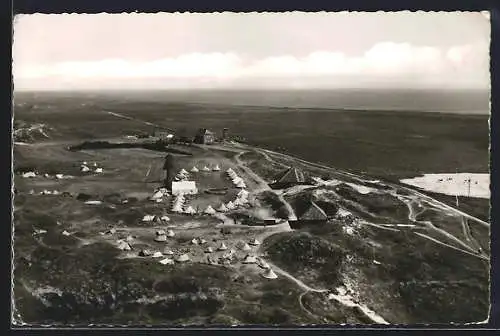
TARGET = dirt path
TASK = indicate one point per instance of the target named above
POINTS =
(122, 116)
(263, 186)
(343, 299)
(452, 247)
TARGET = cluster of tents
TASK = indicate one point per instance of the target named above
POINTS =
(178, 203)
(158, 195)
(204, 169)
(162, 235)
(237, 181)
(167, 256)
(182, 175)
(32, 174)
(84, 167)
(158, 219)
(241, 199)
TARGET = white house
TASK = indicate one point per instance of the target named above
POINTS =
(184, 187)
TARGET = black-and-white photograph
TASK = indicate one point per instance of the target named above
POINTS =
(237, 169)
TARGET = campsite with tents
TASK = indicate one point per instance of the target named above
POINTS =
(215, 231)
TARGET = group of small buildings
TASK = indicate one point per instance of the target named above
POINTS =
(203, 136)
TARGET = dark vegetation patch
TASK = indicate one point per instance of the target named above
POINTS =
(330, 311)
(261, 166)
(478, 207)
(155, 146)
(408, 259)
(482, 234)
(112, 287)
(451, 224)
(381, 205)
(307, 257)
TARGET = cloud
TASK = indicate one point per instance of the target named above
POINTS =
(466, 63)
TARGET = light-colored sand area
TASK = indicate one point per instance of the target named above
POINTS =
(454, 184)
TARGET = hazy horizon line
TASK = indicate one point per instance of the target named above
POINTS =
(256, 89)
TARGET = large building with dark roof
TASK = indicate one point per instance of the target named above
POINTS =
(288, 178)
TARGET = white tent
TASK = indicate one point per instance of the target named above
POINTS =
(160, 232)
(249, 259)
(194, 169)
(85, 169)
(237, 202)
(209, 210)
(216, 168)
(202, 241)
(170, 233)
(165, 218)
(243, 193)
(177, 209)
(29, 174)
(111, 231)
(145, 253)
(124, 246)
(183, 172)
(229, 170)
(222, 208)
(209, 249)
(157, 195)
(161, 238)
(211, 261)
(40, 231)
(95, 164)
(246, 247)
(262, 263)
(93, 202)
(195, 241)
(269, 274)
(190, 210)
(206, 169)
(84, 163)
(148, 218)
(157, 254)
(241, 184)
(230, 205)
(98, 170)
(254, 242)
(222, 247)
(183, 258)
(184, 187)
(168, 251)
(167, 261)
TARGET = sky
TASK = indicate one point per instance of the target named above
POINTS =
(255, 50)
